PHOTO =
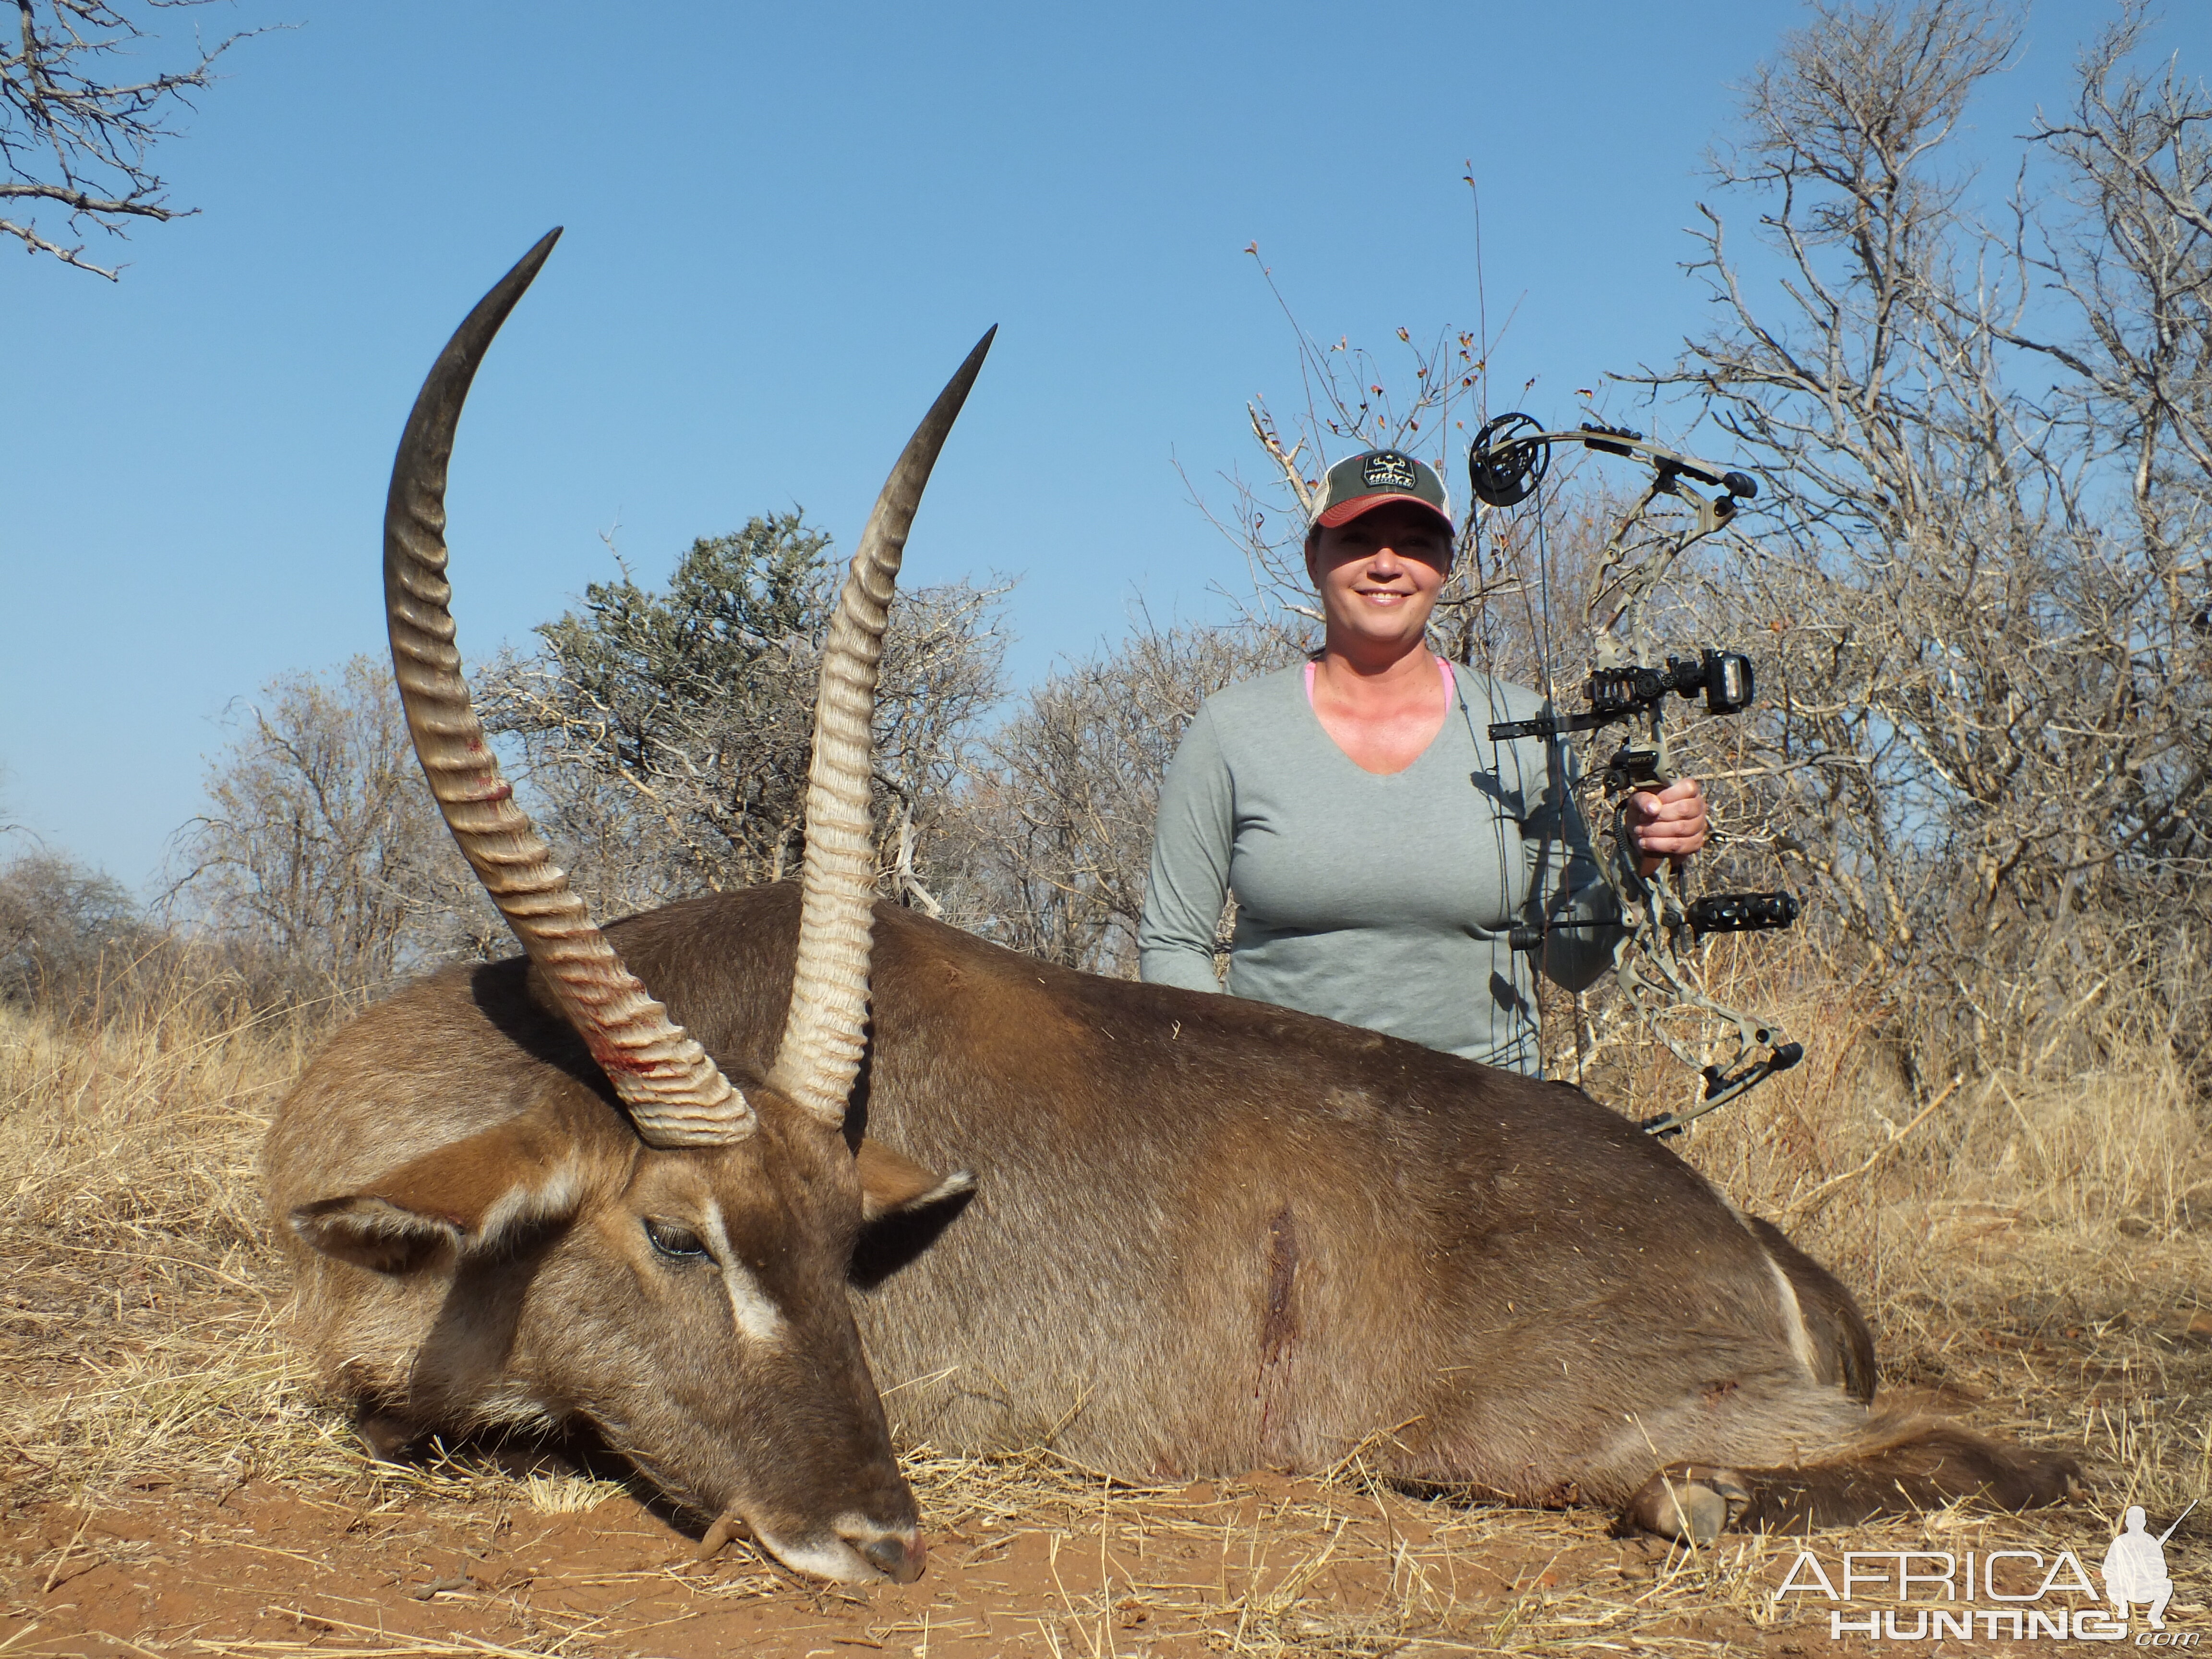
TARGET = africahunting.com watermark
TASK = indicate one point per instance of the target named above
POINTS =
(2020, 1595)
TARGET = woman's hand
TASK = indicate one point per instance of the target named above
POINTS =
(1668, 823)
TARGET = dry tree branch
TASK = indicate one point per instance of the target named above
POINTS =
(72, 141)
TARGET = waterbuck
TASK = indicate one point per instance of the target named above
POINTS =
(1204, 1235)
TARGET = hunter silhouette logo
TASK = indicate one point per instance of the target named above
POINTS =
(2135, 1568)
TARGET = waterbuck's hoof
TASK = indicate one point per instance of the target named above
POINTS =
(725, 1527)
(389, 1438)
(1689, 1503)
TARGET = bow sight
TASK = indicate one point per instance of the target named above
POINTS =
(1620, 694)
(1506, 466)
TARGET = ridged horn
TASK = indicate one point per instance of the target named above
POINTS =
(676, 1094)
(820, 1053)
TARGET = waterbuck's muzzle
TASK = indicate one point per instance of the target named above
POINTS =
(894, 1552)
(858, 1551)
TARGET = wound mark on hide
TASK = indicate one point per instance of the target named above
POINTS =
(1281, 1323)
(1278, 1331)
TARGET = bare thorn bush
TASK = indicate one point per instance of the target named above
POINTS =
(1983, 579)
(321, 849)
(1053, 832)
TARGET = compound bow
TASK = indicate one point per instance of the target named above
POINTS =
(1630, 682)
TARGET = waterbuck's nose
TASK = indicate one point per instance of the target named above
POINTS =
(899, 1555)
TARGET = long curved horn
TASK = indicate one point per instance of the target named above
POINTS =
(676, 1094)
(820, 1053)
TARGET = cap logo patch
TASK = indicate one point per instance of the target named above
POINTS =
(1387, 470)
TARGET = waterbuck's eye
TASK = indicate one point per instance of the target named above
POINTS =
(671, 1240)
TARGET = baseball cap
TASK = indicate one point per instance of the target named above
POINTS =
(1366, 482)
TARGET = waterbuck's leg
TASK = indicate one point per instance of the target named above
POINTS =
(1918, 1464)
(1901, 1464)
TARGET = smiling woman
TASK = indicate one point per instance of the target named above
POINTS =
(1381, 855)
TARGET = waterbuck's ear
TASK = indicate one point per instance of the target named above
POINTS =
(474, 1195)
(892, 1183)
(904, 1209)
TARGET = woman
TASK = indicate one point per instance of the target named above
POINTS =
(1381, 847)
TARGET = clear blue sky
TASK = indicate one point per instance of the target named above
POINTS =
(786, 224)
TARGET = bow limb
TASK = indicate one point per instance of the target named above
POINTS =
(1665, 462)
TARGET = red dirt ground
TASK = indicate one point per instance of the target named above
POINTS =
(261, 1570)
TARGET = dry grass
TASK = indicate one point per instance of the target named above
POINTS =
(2039, 1248)
(2039, 1244)
(138, 1324)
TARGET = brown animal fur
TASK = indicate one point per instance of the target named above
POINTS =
(1210, 1234)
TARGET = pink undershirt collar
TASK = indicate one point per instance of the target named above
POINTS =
(1443, 668)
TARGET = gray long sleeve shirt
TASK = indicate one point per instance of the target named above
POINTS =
(1381, 901)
